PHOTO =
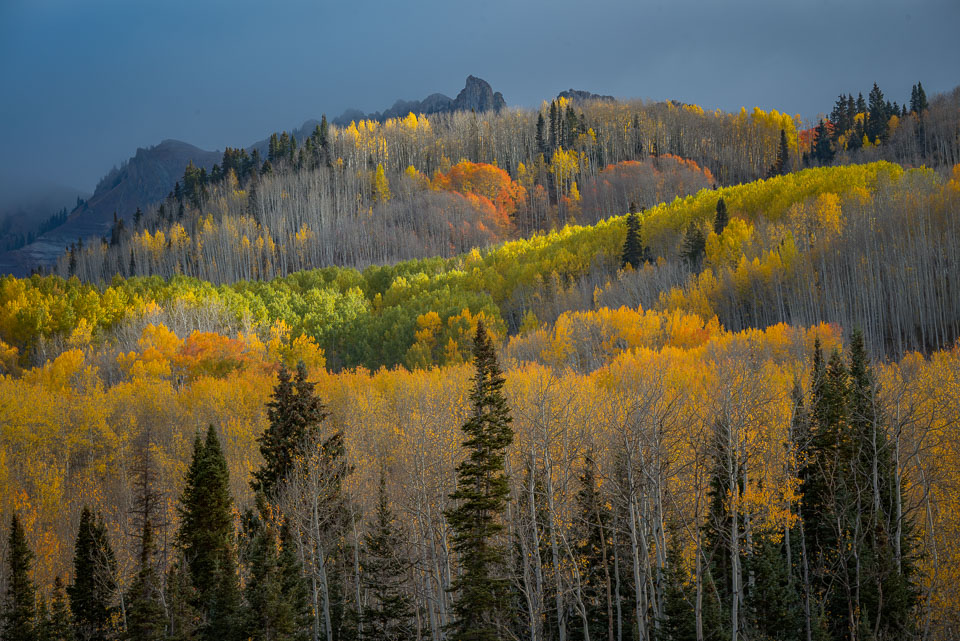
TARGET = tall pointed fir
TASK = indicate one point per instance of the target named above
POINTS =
(887, 596)
(721, 218)
(679, 621)
(20, 601)
(823, 151)
(93, 591)
(634, 253)
(481, 589)
(145, 609)
(782, 163)
(694, 245)
(276, 605)
(388, 614)
(206, 539)
(145, 612)
(60, 626)
(594, 555)
(295, 412)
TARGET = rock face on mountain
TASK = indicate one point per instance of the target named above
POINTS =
(577, 95)
(476, 95)
(144, 179)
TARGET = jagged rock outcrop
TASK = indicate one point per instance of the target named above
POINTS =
(476, 95)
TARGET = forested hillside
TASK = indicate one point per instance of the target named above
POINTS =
(608, 370)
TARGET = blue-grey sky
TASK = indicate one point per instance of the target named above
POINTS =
(83, 83)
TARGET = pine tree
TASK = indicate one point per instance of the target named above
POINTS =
(694, 245)
(183, 618)
(60, 626)
(888, 596)
(93, 591)
(593, 552)
(481, 590)
(19, 604)
(389, 613)
(717, 534)
(679, 616)
(822, 147)
(295, 412)
(773, 602)
(634, 253)
(781, 164)
(206, 537)
(540, 138)
(276, 606)
(145, 613)
(877, 117)
(721, 218)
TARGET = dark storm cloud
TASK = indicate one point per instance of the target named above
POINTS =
(85, 82)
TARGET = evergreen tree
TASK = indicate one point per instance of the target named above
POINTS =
(276, 607)
(19, 604)
(481, 589)
(541, 139)
(294, 412)
(918, 100)
(634, 253)
(694, 245)
(593, 552)
(781, 164)
(206, 538)
(93, 591)
(876, 126)
(183, 618)
(145, 613)
(721, 218)
(389, 612)
(679, 616)
(717, 536)
(60, 626)
(822, 147)
(773, 602)
(887, 595)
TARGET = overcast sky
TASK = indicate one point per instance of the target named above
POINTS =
(83, 83)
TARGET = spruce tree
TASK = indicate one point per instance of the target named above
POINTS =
(773, 602)
(721, 219)
(540, 136)
(206, 538)
(679, 616)
(60, 626)
(888, 596)
(822, 146)
(781, 164)
(145, 613)
(481, 589)
(594, 555)
(694, 245)
(276, 606)
(93, 591)
(634, 253)
(389, 612)
(183, 618)
(19, 603)
(295, 412)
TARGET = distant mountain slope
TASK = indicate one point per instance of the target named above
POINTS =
(476, 95)
(145, 178)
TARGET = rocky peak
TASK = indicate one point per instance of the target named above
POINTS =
(478, 95)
